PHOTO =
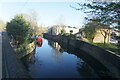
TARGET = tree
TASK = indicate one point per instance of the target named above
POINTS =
(106, 13)
(32, 19)
(90, 31)
(105, 31)
(19, 29)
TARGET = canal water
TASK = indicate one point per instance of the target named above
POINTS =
(53, 61)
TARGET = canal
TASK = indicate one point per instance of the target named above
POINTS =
(52, 60)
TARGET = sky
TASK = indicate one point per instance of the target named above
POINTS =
(48, 13)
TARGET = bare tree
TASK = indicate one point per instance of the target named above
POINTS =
(105, 33)
(32, 18)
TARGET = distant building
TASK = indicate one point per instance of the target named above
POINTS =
(56, 29)
(69, 28)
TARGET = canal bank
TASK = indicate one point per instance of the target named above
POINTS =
(109, 60)
(11, 66)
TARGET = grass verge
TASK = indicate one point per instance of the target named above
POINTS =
(108, 46)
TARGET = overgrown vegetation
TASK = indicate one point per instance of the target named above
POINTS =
(19, 31)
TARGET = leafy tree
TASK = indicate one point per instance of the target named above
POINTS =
(19, 29)
(106, 13)
(90, 31)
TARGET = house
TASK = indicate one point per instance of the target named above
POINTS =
(100, 33)
(73, 29)
(99, 37)
(56, 29)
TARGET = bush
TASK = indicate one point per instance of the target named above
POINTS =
(19, 29)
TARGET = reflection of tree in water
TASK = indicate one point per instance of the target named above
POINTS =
(30, 58)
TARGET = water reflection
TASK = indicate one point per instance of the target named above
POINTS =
(56, 54)
(56, 60)
(54, 45)
(99, 69)
(29, 59)
(83, 68)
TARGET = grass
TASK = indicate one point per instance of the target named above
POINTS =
(108, 46)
